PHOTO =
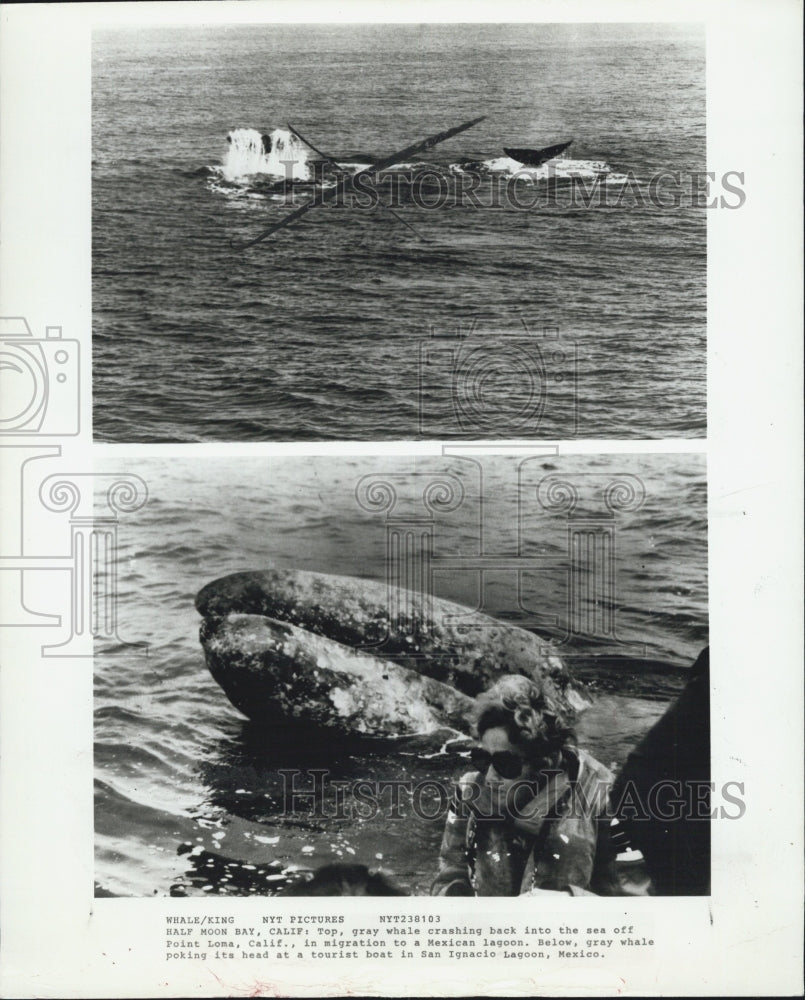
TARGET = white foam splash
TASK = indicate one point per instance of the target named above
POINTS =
(288, 157)
(559, 168)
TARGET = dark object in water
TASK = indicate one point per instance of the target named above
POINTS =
(536, 157)
(350, 655)
(102, 893)
(275, 672)
(346, 880)
(457, 646)
(228, 876)
(266, 144)
(675, 750)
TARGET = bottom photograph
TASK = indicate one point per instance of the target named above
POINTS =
(472, 675)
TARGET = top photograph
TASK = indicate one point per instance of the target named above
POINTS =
(312, 232)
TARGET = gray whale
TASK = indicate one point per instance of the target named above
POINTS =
(337, 652)
(275, 672)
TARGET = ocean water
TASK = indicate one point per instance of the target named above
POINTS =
(585, 321)
(190, 797)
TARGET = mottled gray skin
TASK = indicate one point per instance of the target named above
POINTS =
(273, 671)
(468, 656)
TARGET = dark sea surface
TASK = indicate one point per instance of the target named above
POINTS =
(326, 330)
(189, 795)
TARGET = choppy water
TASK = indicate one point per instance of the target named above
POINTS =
(178, 768)
(322, 331)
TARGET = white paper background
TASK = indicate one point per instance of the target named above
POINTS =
(57, 939)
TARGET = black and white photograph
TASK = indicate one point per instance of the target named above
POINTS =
(323, 650)
(400, 231)
(401, 448)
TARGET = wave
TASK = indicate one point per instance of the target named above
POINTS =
(558, 168)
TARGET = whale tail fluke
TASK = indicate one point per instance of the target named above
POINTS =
(536, 157)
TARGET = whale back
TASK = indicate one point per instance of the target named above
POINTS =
(448, 642)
